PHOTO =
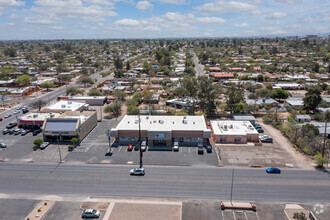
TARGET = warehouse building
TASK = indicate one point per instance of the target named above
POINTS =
(69, 125)
(162, 130)
(234, 132)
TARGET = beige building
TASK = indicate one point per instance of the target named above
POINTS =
(162, 130)
(69, 125)
(234, 132)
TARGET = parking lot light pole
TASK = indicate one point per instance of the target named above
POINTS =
(58, 146)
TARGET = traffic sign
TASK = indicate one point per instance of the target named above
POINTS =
(108, 133)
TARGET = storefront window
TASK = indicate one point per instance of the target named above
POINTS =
(186, 140)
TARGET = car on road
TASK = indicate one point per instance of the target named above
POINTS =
(3, 145)
(16, 112)
(137, 172)
(11, 125)
(5, 131)
(36, 132)
(208, 148)
(18, 108)
(44, 145)
(267, 140)
(130, 147)
(1, 119)
(8, 115)
(90, 213)
(24, 132)
(273, 170)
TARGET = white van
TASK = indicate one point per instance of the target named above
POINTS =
(176, 146)
(144, 146)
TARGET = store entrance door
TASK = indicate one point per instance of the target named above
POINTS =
(159, 143)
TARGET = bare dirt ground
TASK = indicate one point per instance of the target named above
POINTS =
(301, 161)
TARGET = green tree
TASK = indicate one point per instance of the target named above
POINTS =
(131, 102)
(94, 92)
(147, 95)
(310, 130)
(47, 85)
(38, 104)
(3, 95)
(23, 80)
(234, 95)
(264, 93)
(75, 141)
(312, 98)
(133, 110)
(280, 94)
(113, 108)
(85, 80)
(189, 89)
(120, 95)
(320, 160)
(65, 78)
(128, 66)
(84, 71)
(72, 90)
(9, 51)
(207, 93)
(299, 216)
(137, 97)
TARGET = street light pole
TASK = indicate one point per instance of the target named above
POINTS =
(232, 186)
(141, 154)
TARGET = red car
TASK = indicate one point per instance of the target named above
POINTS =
(130, 147)
(1, 119)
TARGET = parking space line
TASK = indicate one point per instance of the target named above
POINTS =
(216, 151)
(257, 216)
(189, 150)
(222, 215)
(119, 149)
(246, 216)
(234, 215)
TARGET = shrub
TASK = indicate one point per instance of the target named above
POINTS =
(39, 210)
(265, 118)
(38, 142)
(291, 120)
(70, 147)
(320, 160)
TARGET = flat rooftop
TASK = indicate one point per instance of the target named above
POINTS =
(230, 127)
(86, 97)
(163, 123)
(66, 105)
(38, 116)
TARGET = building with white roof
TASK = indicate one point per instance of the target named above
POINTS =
(162, 130)
(35, 120)
(69, 125)
(90, 100)
(234, 132)
(63, 106)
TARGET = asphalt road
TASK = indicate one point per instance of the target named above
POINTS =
(199, 68)
(165, 182)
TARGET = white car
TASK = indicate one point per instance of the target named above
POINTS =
(137, 172)
(16, 112)
(3, 145)
(90, 213)
(18, 108)
(8, 115)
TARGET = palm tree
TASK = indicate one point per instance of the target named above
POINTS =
(326, 117)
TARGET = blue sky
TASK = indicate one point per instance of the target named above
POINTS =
(81, 19)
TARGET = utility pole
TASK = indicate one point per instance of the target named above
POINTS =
(58, 146)
(141, 154)
(326, 115)
(232, 186)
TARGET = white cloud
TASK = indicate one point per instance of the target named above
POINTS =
(11, 24)
(40, 20)
(10, 3)
(62, 9)
(271, 30)
(255, 12)
(13, 16)
(242, 25)
(171, 21)
(57, 27)
(277, 15)
(127, 22)
(289, 1)
(100, 2)
(143, 5)
(174, 2)
(220, 7)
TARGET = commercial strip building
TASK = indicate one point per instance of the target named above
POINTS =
(90, 100)
(69, 125)
(35, 120)
(234, 132)
(162, 130)
(63, 106)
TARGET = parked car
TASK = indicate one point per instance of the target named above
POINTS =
(144, 146)
(90, 213)
(18, 108)
(273, 170)
(260, 130)
(1, 119)
(11, 125)
(130, 147)
(8, 115)
(44, 145)
(175, 146)
(137, 172)
(3, 145)
(10, 131)
(136, 147)
(36, 131)
(17, 131)
(208, 148)
(5, 131)
(16, 112)
(24, 132)
(108, 101)
(25, 110)
(267, 140)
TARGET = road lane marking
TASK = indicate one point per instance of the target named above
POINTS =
(109, 210)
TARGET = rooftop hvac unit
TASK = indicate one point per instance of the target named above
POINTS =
(69, 102)
(147, 117)
(35, 116)
(161, 122)
(225, 127)
(185, 122)
(184, 117)
(136, 121)
(62, 106)
(230, 126)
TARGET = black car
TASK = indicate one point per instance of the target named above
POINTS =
(36, 132)
(11, 131)
(136, 147)
(267, 140)
(6, 131)
(208, 148)
(260, 130)
(11, 125)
